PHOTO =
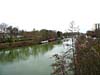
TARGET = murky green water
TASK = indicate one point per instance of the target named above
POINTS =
(32, 60)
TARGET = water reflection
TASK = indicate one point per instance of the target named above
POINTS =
(13, 55)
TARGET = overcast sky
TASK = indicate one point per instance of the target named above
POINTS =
(50, 14)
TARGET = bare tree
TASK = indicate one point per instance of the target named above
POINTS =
(60, 66)
(3, 27)
(3, 34)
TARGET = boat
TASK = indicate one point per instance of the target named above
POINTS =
(46, 41)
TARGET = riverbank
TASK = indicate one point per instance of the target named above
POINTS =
(20, 44)
(16, 44)
(87, 59)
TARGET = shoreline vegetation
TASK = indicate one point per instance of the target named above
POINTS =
(12, 37)
(19, 44)
(87, 59)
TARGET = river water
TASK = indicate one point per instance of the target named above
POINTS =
(31, 60)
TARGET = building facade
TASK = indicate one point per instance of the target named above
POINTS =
(97, 26)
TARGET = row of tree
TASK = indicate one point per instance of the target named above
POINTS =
(13, 34)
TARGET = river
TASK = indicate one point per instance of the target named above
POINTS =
(31, 60)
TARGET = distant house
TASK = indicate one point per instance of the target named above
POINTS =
(90, 34)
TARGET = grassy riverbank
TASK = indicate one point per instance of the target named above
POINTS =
(12, 45)
(16, 44)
